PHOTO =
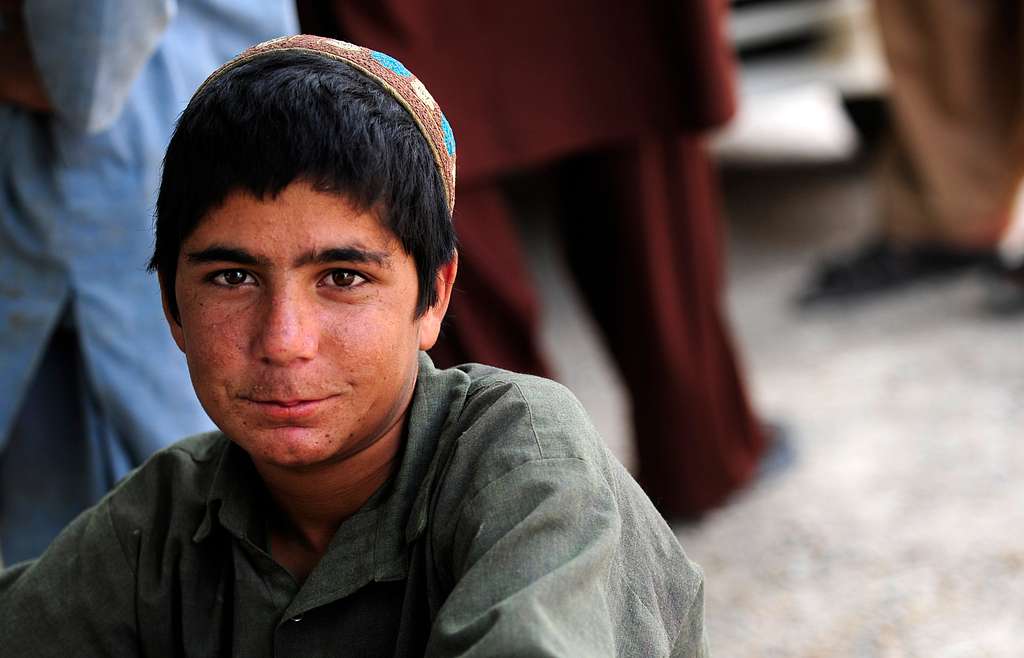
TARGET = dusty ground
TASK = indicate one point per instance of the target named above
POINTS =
(897, 531)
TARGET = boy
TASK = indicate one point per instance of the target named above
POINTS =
(357, 500)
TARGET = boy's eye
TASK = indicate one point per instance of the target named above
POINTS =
(231, 277)
(343, 279)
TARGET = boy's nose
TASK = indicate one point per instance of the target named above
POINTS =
(290, 332)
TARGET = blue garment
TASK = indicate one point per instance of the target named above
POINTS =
(77, 191)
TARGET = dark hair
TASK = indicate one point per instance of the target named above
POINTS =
(287, 116)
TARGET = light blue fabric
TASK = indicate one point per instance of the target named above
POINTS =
(77, 190)
(449, 136)
(391, 63)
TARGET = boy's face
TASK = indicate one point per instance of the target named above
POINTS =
(297, 322)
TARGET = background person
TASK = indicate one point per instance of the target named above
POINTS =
(607, 104)
(956, 153)
(90, 384)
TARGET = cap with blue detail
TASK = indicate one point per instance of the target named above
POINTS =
(390, 74)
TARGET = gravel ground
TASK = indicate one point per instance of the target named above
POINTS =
(892, 534)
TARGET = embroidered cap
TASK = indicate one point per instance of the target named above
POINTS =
(386, 71)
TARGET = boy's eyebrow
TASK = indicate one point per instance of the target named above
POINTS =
(343, 254)
(220, 254)
(223, 254)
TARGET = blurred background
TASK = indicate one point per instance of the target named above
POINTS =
(774, 246)
(892, 531)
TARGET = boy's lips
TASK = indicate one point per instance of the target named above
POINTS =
(289, 409)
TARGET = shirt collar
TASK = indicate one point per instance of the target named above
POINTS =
(233, 496)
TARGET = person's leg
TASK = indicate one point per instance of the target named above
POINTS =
(954, 94)
(494, 315)
(642, 232)
(947, 177)
(49, 470)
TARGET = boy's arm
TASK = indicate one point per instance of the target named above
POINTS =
(78, 599)
(536, 550)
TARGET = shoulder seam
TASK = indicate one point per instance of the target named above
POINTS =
(522, 396)
(120, 542)
(533, 426)
(694, 599)
(532, 462)
(177, 447)
(515, 468)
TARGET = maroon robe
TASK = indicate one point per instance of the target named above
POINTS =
(608, 99)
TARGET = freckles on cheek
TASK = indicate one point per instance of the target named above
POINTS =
(363, 351)
(353, 332)
(371, 343)
(213, 338)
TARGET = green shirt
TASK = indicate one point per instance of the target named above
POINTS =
(508, 529)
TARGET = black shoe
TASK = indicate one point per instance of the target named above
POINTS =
(881, 266)
(1005, 294)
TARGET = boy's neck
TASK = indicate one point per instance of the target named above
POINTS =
(312, 502)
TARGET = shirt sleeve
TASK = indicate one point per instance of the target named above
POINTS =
(78, 599)
(531, 559)
(537, 566)
(90, 52)
(692, 640)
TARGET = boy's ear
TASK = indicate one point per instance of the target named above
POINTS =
(173, 322)
(430, 322)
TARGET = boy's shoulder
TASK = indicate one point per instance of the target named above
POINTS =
(184, 460)
(541, 412)
(504, 425)
(174, 482)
